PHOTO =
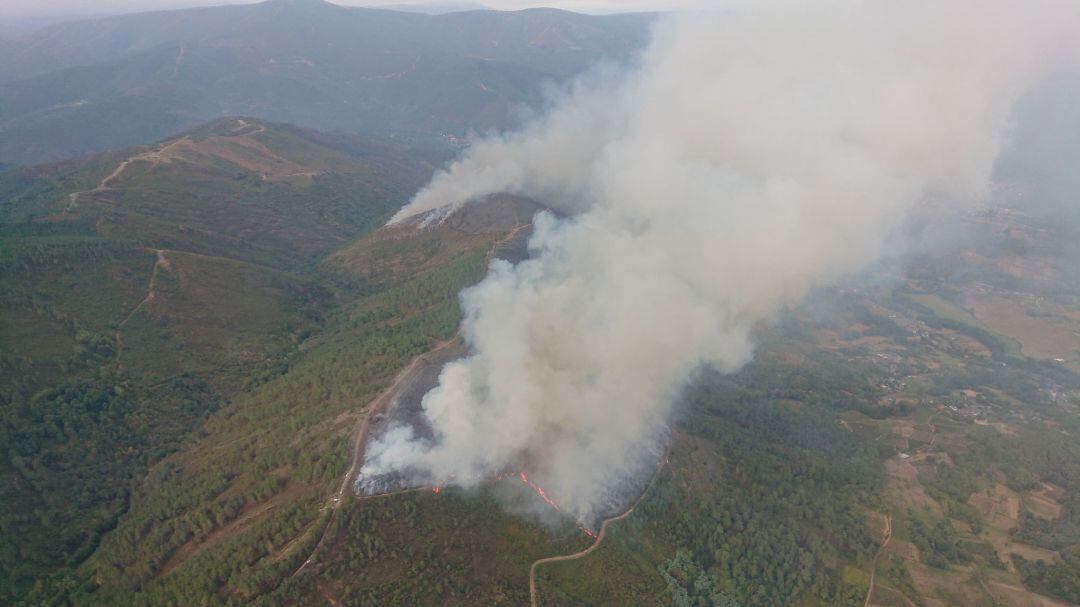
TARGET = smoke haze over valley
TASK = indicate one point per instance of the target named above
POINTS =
(754, 155)
(739, 303)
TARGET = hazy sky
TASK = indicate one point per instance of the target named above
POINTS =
(30, 8)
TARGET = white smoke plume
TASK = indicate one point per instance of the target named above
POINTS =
(753, 155)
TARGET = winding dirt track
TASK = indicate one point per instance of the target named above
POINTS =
(599, 536)
(574, 556)
(360, 435)
(402, 382)
(154, 156)
(159, 263)
(886, 536)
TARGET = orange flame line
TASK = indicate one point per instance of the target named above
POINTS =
(539, 491)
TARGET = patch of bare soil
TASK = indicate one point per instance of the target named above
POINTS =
(999, 505)
(1002, 428)
(1045, 502)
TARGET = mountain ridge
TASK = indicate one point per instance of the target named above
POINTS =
(79, 87)
(143, 289)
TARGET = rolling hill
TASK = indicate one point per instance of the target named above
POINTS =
(194, 332)
(87, 86)
(144, 288)
(202, 314)
(190, 334)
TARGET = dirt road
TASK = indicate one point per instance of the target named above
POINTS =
(599, 536)
(402, 382)
(153, 156)
(886, 536)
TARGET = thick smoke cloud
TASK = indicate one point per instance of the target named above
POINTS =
(753, 155)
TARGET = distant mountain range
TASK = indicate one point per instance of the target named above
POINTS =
(435, 8)
(86, 86)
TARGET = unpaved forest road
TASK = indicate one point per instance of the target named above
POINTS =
(73, 198)
(599, 536)
(574, 556)
(886, 536)
(154, 156)
(403, 382)
(160, 263)
(359, 438)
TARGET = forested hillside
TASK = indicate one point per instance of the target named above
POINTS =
(143, 290)
(203, 316)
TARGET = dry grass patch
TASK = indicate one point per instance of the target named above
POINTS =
(1002, 428)
(902, 470)
(999, 505)
(903, 549)
(884, 596)
(947, 588)
(1015, 596)
(902, 478)
(1033, 553)
(1042, 507)
(1042, 336)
